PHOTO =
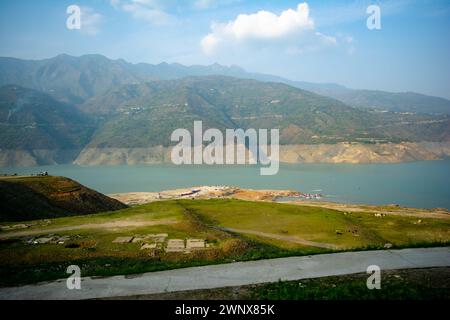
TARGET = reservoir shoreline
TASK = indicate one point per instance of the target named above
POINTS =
(421, 184)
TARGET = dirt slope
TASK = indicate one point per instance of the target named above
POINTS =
(30, 198)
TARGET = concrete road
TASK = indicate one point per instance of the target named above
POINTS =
(235, 274)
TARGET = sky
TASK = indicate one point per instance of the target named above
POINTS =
(315, 41)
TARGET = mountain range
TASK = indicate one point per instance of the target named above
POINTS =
(75, 79)
(51, 110)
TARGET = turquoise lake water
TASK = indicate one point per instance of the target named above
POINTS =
(418, 184)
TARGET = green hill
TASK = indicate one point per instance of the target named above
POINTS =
(30, 198)
(144, 115)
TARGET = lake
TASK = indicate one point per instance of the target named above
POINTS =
(418, 184)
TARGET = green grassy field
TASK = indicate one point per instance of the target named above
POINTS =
(346, 230)
(91, 244)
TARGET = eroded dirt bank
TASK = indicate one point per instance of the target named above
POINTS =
(300, 153)
(320, 153)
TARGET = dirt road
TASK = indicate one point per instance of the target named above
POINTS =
(283, 238)
(107, 225)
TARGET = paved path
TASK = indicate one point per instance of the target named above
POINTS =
(235, 274)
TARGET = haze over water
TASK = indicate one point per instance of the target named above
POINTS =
(419, 184)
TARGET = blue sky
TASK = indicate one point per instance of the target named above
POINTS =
(318, 41)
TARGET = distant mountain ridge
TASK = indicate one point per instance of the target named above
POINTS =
(76, 79)
(59, 108)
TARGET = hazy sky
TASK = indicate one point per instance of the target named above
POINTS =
(318, 41)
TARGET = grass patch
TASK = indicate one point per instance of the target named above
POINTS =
(347, 231)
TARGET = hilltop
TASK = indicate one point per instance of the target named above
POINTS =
(31, 198)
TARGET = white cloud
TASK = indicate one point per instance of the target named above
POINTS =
(294, 28)
(90, 21)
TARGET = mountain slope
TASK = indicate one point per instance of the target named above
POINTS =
(76, 79)
(66, 78)
(145, 115)
(365, 99)
(35, 129)
(33, 120)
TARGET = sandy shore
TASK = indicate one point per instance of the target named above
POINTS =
(203, 192)
(223, 192)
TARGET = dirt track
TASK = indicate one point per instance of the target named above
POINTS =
(108, 225)
(284, 238)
